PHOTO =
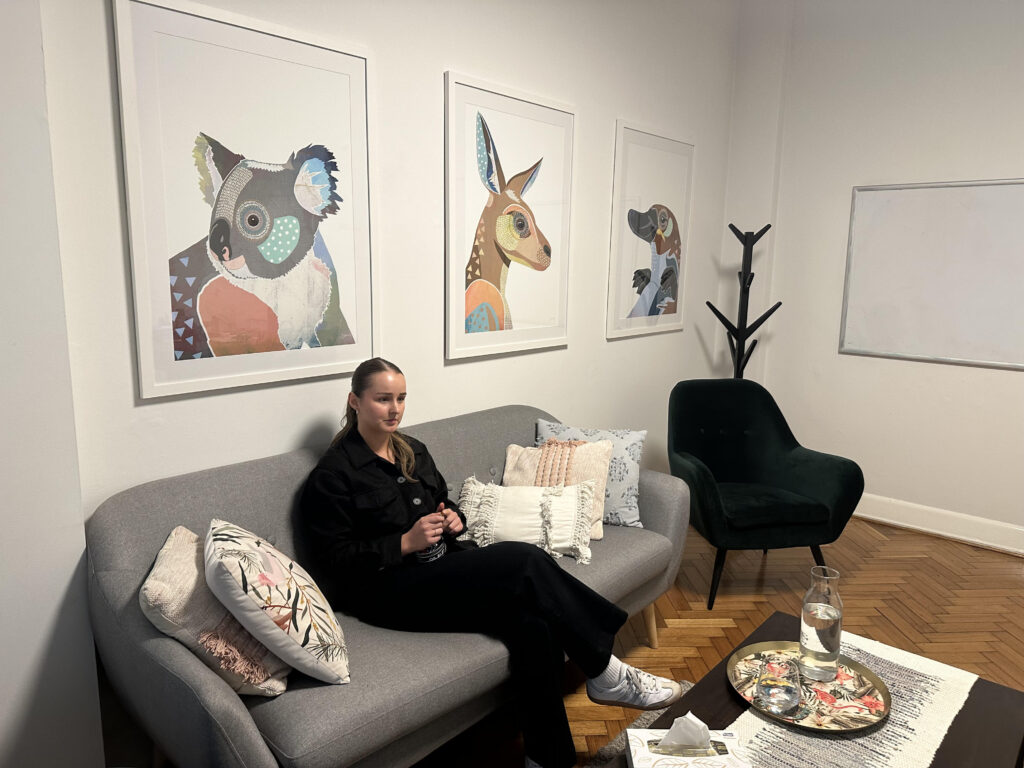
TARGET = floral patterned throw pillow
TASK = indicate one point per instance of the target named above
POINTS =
(622, 491)
(274, 598)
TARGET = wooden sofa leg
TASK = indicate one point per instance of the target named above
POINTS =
(652, 626)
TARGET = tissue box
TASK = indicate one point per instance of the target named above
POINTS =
(639, 754)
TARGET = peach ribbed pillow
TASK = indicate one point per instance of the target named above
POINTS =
(563, 462)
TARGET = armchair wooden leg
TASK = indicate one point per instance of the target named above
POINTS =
(652, 626)
(816, 551)
(716, 575)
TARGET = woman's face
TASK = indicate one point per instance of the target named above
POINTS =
(381, 405)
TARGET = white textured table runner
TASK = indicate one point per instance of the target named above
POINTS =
(926, 696)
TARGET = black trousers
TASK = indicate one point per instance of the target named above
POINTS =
(517, 593)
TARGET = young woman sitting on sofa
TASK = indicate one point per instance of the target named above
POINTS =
(383, 533)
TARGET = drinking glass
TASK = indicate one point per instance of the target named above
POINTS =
(778, 685)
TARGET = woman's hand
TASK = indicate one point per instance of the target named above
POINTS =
(452, 524)
(425, 532)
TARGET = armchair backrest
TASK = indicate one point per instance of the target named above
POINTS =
(732, 425)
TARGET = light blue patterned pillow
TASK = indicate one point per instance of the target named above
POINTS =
(623, 488)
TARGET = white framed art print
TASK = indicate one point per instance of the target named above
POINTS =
(649, 232)
(508, 179)
(246, 170)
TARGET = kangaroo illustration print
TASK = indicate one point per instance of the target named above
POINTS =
(262, 278)
(507, 232)
(658, 286)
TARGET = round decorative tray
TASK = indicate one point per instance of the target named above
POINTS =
(855, 700)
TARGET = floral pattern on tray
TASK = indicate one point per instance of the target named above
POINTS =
(856, 699)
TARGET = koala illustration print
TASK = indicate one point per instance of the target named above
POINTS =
(262, 278)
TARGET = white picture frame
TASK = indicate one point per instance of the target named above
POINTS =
(275, 99)
(652, 172)
(532, 291)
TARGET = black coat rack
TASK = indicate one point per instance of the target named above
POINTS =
(739, 333)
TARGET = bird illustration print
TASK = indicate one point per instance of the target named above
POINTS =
(658, 286)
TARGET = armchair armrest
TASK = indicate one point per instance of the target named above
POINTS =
(835, 481)
(706, 512)
(193, 715)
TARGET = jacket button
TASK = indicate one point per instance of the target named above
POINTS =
(417, 501)
(401, 479)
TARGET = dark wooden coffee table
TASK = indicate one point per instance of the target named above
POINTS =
(988, 730)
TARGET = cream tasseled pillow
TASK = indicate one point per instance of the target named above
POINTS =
(563, 462)
(177, 601)
(555, 519)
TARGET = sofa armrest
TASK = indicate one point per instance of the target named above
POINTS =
(194, 717)
(664, 504)
(665, 509)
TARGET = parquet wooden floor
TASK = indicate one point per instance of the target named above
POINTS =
(949, 601)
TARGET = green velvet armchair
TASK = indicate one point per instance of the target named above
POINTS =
(752, 485)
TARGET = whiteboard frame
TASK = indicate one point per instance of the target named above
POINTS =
(844, 348)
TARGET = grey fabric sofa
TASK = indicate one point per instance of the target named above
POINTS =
(396, 710)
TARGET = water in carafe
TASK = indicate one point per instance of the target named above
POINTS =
(821, 626)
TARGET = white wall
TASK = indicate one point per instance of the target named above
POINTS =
(751, 200)
(49, 680)
(660, 64)
(878, 92)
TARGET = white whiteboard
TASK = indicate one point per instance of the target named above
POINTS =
(936, 272)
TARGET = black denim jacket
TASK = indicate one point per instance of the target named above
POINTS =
(356, 506)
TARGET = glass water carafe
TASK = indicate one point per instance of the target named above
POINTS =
(821, 625)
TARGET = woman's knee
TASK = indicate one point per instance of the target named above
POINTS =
(521, 551)
(524, 561)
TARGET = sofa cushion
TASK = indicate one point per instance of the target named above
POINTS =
(624, 560)
(276, 600)
(393, 692)
(177, 600)
(563, 462)
(750, 505)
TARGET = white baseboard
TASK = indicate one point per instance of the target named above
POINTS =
(943, 522)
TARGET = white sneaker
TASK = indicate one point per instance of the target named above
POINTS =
(531, 764)
(637, 689)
